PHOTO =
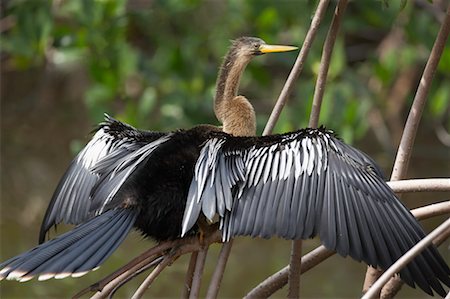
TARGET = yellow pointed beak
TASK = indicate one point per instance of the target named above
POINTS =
(276, 48)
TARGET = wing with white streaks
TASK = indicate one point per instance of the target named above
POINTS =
(113, 141)
(307, 183)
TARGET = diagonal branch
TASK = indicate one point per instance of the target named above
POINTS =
(189, 275)
(297, 68)
(216, 279)
(198, 272)
(412, 123)
(444, 228)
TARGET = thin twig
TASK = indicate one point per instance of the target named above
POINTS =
(405, 259)
(298, 66)
(294, 275)
(197, 279)
(178, 247)
(148, 281)
(134, 274)
(278, 280)
(325, 63)
(412, 123)
(216, 279)
(156, 250)
(275, 282)
(189, 275)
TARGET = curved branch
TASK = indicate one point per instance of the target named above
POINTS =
(373, 292)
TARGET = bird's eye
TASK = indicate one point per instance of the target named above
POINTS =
(256, 46)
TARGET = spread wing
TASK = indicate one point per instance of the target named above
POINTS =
(307, 183)
(112, 144)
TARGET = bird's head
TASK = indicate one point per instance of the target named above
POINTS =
(247, 47)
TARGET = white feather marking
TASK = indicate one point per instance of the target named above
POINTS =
(297, 159)
(305, 155)
(290, 154)
(320, 155)
(283, 159)
(311, 157)
(79, 274)
(269, 163)
(276, 161)
(261, 165)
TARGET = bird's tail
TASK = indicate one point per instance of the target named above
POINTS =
(74, 253)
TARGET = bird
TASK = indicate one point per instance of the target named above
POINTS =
(294, 185)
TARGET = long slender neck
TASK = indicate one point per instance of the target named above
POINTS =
(227, 84)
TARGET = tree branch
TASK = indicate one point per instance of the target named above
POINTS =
(420, 185)
(280, 279)
(373, 292)
(148, 281)
(199, 266)
(189, 275)
(412, 123)
(325, 63)
(297, 68)
(216, 279)
(415, 114)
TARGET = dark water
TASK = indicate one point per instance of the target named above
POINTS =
(42, 114)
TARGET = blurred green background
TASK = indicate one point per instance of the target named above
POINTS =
(153, 64)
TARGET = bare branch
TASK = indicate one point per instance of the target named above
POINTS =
(275, 282)
(373, 292)
(199, 266)
(295, 268)
(189, 275)
(216, 279)
(298, 66)
(148, 281)
(177, 248)
(432, 210)
(412, 123)
(325, 62)
(420, 185)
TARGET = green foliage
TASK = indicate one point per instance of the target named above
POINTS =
(154, 64)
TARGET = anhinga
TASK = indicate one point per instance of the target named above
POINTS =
(295, 185)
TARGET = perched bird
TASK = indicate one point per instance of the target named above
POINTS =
(295, 185)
